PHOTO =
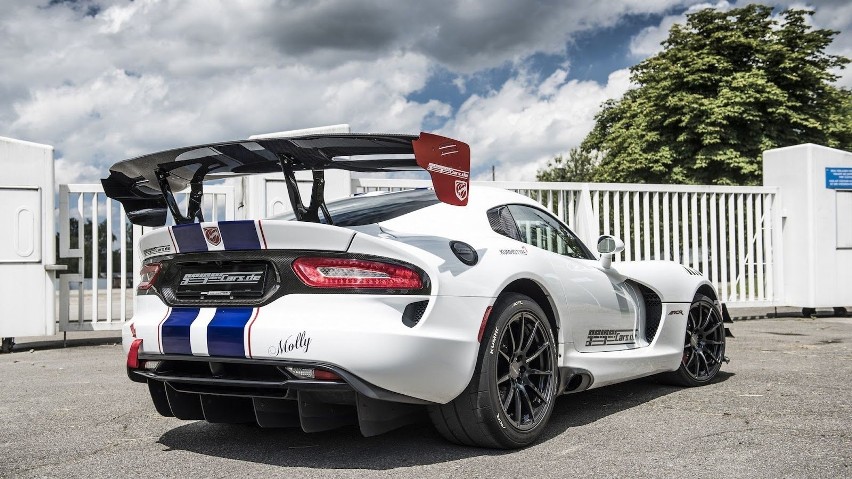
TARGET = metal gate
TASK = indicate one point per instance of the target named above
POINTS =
(100, 248)
(730, 234)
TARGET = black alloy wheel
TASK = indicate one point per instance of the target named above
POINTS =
(704, 344)
(525, 367)
(513, 389)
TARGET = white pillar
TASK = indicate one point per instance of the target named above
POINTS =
(816, 196)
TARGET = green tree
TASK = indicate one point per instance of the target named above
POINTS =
(726, 87)
(579, 166)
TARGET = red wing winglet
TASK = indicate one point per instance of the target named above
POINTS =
(448, 162)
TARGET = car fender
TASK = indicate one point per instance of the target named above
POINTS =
(674, 283)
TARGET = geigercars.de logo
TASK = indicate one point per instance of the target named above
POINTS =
(447, 170)
(190, 279)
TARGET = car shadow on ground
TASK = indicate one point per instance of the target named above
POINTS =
(413, 445)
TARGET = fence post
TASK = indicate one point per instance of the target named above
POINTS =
(587, 224)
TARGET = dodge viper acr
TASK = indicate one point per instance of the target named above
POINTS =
(473, 305)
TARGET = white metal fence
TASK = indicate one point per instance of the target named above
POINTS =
(731, 234)
(97, 292)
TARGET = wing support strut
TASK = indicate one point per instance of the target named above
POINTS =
(196, 193)
(311, 212)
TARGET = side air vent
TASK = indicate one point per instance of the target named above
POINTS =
(692, 271)
(414, 313)
(653, 312)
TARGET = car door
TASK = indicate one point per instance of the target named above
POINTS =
(603, 310)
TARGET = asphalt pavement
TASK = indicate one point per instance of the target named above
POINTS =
(781, 408)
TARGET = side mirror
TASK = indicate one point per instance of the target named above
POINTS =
(609, 246)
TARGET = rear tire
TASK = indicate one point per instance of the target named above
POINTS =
(511, 394)
(704, 345)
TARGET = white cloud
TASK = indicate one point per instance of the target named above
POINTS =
(66, 172)
(649, 40)
(837, 15)
(105, 81)
(528, 121)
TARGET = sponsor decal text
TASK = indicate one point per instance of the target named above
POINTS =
(248, 277)
(610, 337)
(446, 170)
(156, 250)
(514, 251)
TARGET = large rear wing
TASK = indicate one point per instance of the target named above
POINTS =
(145, 185)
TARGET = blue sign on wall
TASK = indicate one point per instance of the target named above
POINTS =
(838, 178)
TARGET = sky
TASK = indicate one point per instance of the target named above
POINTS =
(520, 81)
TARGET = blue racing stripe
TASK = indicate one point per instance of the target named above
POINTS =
(189, 238)
(175, 332)
(239, 235)
(225, 332)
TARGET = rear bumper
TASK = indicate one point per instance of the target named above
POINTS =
(363, 338)
(277, 383)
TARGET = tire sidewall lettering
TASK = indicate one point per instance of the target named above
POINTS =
(493, 341)
(500, 326)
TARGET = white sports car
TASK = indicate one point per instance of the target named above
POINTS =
(475, 305)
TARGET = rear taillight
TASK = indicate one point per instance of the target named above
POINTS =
(355, 273)
(148, 275)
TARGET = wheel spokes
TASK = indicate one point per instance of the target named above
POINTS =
(527, 402)
(525, 384)
(506, 357)
(521, 340)
(532, 338)
(691, 359)
(704, 360)
(518, 416)
(537, 353)
(716, 359)
(508, 399)
(714, 328)
(535, 390)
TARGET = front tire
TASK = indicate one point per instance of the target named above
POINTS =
(511, 394)
(704, 345)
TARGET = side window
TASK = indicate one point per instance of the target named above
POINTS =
(537, 228)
